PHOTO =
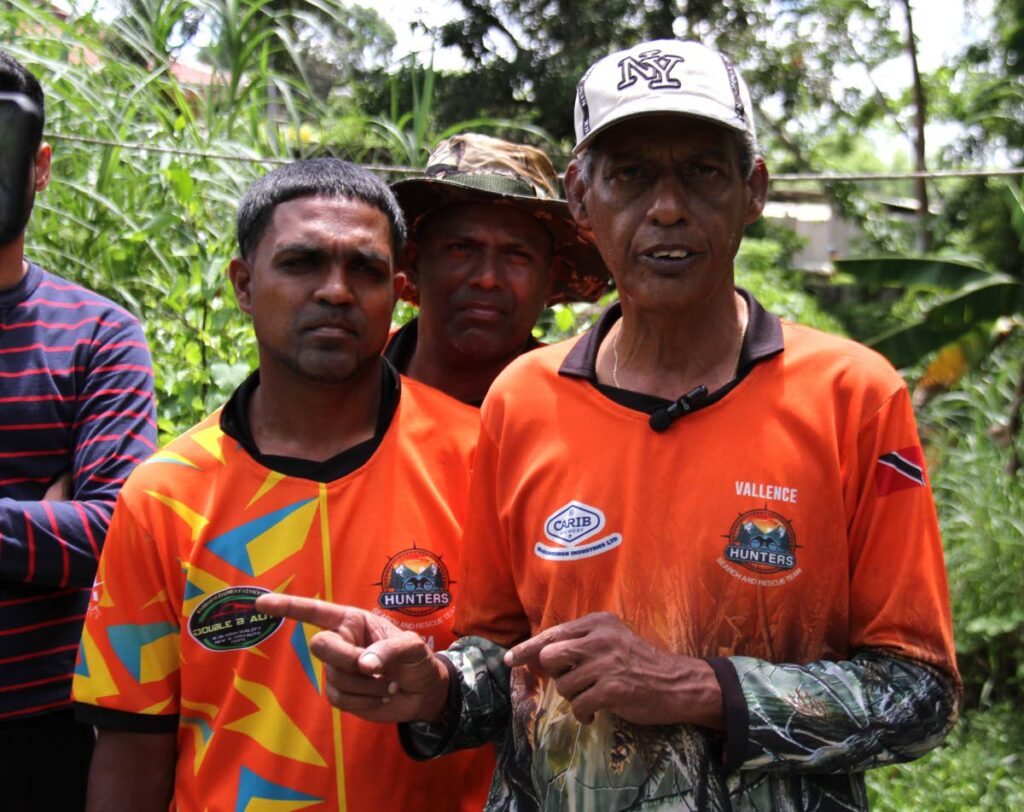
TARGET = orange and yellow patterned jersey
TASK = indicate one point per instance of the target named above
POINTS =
(172, 641)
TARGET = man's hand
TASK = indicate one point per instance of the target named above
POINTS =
(599, 664)
(60, 489)
(374, 669)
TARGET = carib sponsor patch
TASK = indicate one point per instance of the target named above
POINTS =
(228, 620)
(414, 582)
(762, 541)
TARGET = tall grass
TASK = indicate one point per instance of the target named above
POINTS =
(155, 231)
(981, 510)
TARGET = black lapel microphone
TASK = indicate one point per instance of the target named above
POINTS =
(665, 417)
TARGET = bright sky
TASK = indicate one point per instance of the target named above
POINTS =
(941, 27)
(401, 16)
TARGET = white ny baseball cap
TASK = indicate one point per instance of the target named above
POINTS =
(661, 76)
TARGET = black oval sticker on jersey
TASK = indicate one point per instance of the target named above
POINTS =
(228, 620)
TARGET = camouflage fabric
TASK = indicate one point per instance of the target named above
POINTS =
(813, 729)
(474, 168)
(501, 166)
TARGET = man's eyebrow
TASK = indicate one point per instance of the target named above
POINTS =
(523, 242)
(319, 252)
(372, 256)
(298, 248)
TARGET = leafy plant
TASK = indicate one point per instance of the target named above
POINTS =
(980, 767)
(981, 511)
(152, 230)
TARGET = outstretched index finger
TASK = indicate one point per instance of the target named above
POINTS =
(329, 616)
(528, 652)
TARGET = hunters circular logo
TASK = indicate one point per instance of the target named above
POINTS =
(228, 620)
(414, 582)
(762, 541)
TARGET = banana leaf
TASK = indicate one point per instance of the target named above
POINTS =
(927, 273)
(998, 295)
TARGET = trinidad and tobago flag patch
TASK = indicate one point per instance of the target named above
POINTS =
(903, 468)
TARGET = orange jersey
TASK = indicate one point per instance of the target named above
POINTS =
(172, 638)
(789, 520)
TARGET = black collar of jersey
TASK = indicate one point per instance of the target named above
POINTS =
(762, 340)
(234, 422)
(402, 345)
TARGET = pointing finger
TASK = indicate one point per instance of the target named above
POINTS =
(528, 652)
(305, 610)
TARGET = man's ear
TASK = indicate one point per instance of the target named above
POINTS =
(407, 262)
(399, 281)
(240, 274)
(43, 157)
(757, 190)
(575, 193)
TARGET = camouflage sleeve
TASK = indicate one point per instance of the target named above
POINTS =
(835, 717)
(478, 712)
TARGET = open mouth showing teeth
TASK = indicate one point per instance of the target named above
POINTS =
(674, 254)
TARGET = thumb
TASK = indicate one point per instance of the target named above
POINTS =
(405, 657)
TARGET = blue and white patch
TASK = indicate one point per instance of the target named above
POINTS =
(572, 527)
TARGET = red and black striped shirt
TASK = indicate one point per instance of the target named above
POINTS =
(76, 395)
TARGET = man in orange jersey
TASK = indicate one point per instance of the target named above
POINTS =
(325, 474)
(702, 564)
(490, 243)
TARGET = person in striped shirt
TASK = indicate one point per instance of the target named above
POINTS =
(76, 415)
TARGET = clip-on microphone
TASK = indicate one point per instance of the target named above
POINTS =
(665, 417)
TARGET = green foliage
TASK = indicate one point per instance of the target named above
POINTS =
(761, 268)
(981, 510)
(152, 231)
(407, 138)
(978, 218)
(567, 320)
(961, 298)
(955, 298)
(980, 767)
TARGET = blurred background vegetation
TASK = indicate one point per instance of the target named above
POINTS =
(216, 91)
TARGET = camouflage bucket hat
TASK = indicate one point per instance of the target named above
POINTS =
(478, 168)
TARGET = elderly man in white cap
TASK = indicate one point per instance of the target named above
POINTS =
(702, 568)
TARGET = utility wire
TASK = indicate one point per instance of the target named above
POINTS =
(195, 153)
(786, 177)
(796, 177)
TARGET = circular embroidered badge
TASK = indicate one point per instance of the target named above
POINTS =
(762, 541)
(228, 620)
(414, 582)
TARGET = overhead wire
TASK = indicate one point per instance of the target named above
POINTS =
(788, 177)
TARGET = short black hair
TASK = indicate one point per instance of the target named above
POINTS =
(16, 78)
(315, 177)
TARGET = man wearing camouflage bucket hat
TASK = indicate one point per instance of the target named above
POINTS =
(490, 244)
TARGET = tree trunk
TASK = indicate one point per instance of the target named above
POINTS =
(924, 238)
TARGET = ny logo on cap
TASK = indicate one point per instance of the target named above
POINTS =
(652, 66)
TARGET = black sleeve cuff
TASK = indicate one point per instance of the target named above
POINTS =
(445, 729)
(110, 719)
(737, 716)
